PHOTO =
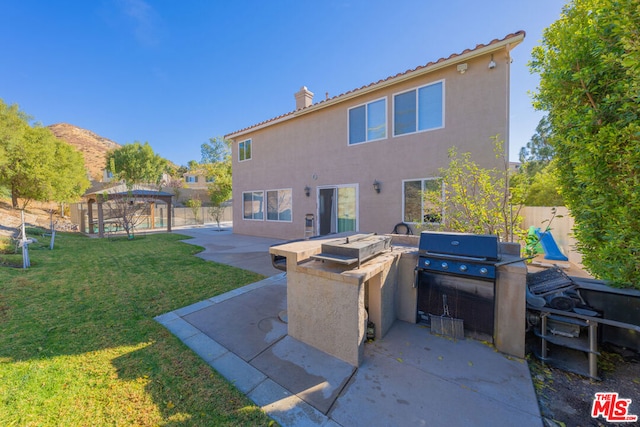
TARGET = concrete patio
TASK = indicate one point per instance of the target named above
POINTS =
(408, 378)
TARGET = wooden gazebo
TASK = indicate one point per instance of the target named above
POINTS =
(120, 192)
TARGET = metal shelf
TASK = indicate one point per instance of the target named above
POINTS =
(587, 345)
(568, 360)
(580, 344)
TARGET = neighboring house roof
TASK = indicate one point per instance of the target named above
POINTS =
(148, 193)
(198, 172)
(98, 187)
(511, 40)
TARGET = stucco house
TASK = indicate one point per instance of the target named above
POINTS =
(360, 161)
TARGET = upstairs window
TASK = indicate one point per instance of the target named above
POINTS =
(368, 122)
(418, 109)
(244, 150)
(191, 178)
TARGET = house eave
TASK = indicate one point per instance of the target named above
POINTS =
(509, 43)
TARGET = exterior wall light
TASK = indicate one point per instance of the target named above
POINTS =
(376, 186)
(492, 63)
(462, 68)
(307, 191)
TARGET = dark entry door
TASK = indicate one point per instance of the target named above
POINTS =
(327, 208)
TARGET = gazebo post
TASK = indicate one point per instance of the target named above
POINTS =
(152, 209)
(100, 219)
(169, 213)
(90, 213)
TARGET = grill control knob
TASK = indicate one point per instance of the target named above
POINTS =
(427, 263)
(463, 268)
(483, 270)
(445, 266)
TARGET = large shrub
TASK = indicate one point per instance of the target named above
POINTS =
(589, 66)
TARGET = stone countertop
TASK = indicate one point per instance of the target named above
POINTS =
(351, 273)
(302, 251)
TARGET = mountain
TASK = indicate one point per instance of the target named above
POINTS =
(93, 147)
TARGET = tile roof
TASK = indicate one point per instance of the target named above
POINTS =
(517, 36)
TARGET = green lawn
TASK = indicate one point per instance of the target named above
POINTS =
(79, 346)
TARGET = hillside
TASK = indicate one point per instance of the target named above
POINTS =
(93, 147)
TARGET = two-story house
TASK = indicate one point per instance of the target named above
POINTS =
(196, 179)
(362, 160)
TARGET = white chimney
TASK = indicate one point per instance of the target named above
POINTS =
(304, 98)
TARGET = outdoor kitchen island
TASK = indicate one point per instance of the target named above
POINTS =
(330, 302)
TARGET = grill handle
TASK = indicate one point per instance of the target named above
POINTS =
(455, 257)
(498, 264)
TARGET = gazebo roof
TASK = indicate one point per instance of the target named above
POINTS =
(141, 193)
(121, 190)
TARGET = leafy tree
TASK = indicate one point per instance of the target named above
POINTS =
(13, 122)
(477, 200)
(181, 170)
(70, 180)
(192, 165)
(539, 189)
(194, 204)
(216, 155)
(538, 152)
(589, 66)
(216, 150)
(28, 173)
(35, 165)
(220, 190)
(136, 163)
(536, 182)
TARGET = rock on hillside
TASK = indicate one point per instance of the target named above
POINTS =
(93, 147)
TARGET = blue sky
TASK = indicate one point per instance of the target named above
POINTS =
(176, 73)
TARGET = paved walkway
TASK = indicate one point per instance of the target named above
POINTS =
(246, 252)
(408, 378)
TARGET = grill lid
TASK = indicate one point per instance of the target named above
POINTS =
(478, 246)
(354, 249)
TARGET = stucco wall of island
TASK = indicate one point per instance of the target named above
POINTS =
(329, 304)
